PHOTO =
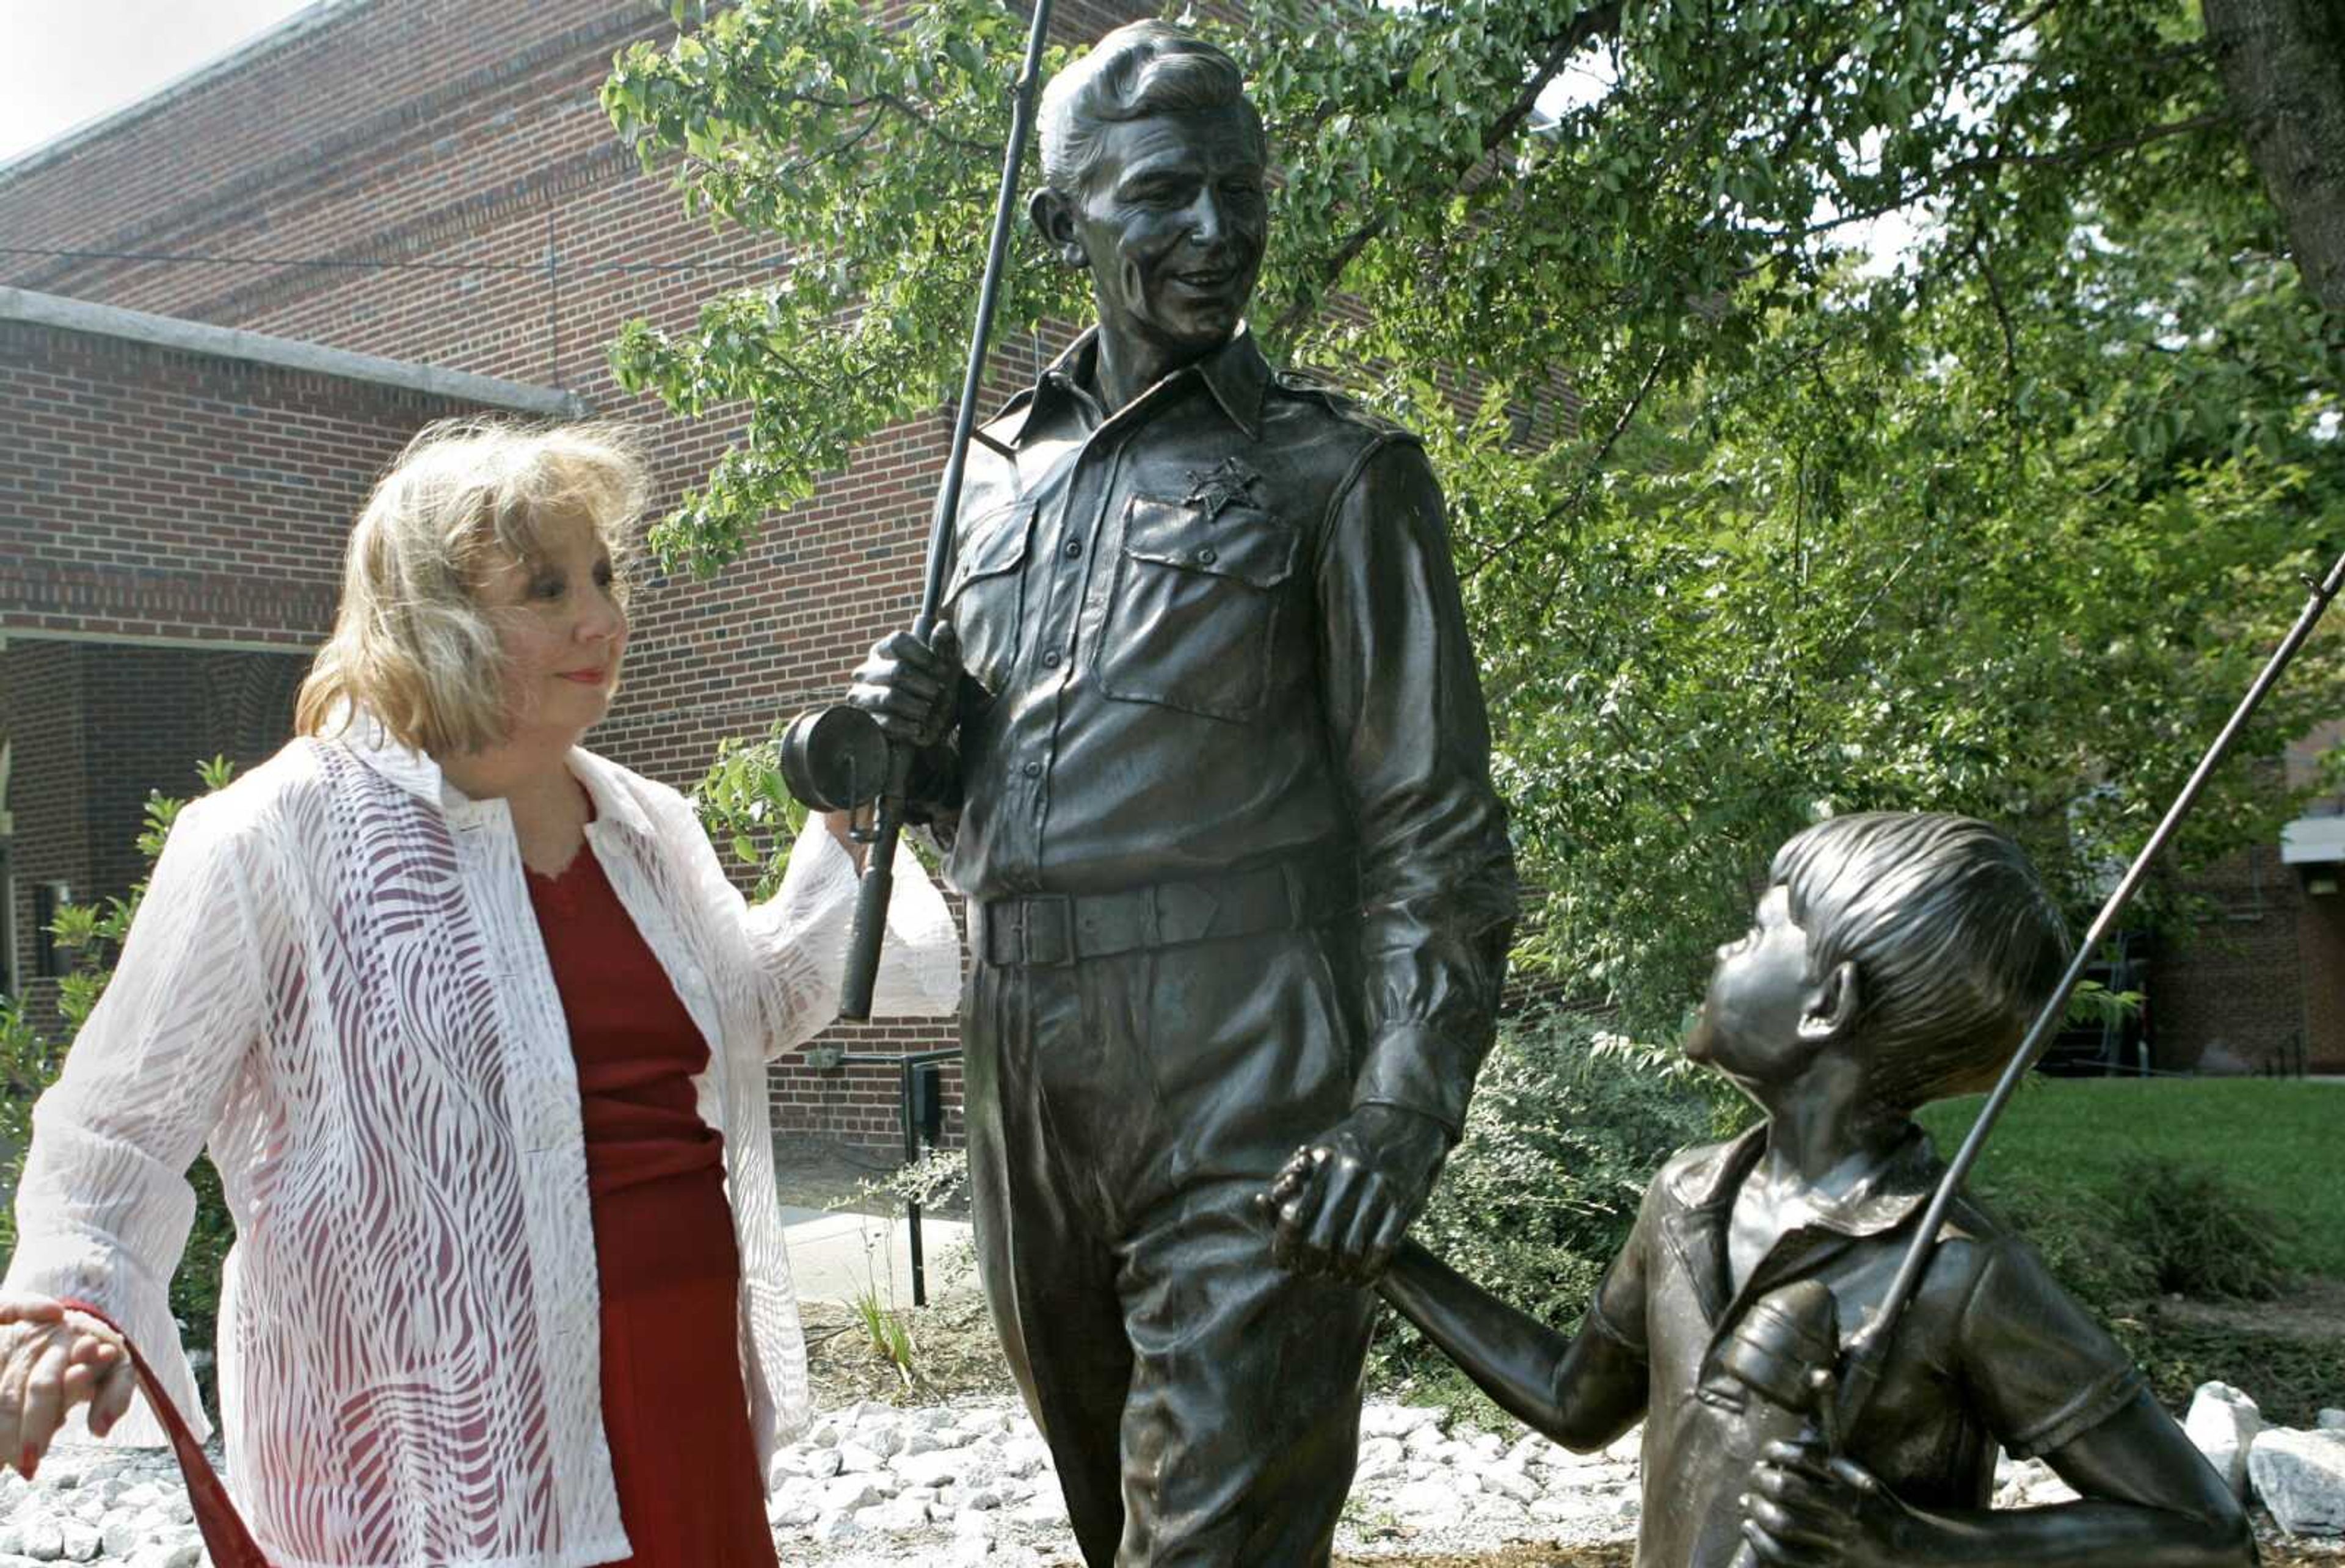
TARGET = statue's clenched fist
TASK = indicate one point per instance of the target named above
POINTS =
(912, 688)
(1340, 1207)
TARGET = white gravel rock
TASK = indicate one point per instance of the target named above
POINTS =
(970, 1485)
(882, 1439)
(1396, 1421)
(895, 1517)
(42, 1538)
(849, 1492)
(939, 1468)
(2300, 1477)
(2223, 1423)
(856, 1458)
(1510, 1481)
(2030, 1483)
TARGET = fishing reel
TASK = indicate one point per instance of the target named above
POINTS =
(1783, 1353)
(835, 759)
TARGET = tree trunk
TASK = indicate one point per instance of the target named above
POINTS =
(2283, 66)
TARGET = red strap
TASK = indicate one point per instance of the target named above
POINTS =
(225, 1536)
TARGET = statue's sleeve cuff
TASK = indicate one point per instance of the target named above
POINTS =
(1421, 1070)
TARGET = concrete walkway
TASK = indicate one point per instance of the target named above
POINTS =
(839, 1257)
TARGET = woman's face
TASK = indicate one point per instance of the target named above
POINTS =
(561, 626)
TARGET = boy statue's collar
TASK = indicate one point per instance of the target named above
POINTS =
(1879, 1203)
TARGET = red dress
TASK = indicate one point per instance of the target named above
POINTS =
(673, 1403)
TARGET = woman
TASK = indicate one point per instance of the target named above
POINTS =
(475, 1029)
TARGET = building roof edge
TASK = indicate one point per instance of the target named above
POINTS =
(287, 353)
(274, 36)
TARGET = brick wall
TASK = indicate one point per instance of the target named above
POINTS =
(2252, 984)
(151, 493)
(41, 714)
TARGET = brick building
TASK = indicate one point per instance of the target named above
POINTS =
(2257, 982)
(405, 208)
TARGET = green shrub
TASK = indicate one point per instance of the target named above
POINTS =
(28, 1064)
(2081, 1239)
(2292, 1376)
(2158, 1227)
(1566, 1129)
(2204, 1237)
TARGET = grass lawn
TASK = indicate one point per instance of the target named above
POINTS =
(2278, 1139)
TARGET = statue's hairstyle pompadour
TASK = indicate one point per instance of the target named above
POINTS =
(1139, 70)
(1956, 940)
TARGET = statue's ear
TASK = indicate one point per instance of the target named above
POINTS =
(1054, 214)
(1832, 1005)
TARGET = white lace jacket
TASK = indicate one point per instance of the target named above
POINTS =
(336, 983)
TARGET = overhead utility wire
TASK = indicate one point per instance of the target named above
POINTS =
(534, 267)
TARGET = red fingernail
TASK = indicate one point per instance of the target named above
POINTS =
(27, 1463)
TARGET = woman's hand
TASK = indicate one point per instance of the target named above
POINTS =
(51, 1360)
(841, 825)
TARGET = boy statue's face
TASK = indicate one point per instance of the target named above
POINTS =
(1760, 994)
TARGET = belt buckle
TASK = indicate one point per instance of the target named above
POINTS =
(1046, 930)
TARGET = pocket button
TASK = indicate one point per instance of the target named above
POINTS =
(1206, 558)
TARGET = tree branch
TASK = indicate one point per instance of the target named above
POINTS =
(1600, 21)
(1588, 477)
(1930, 185)
(2010, 339)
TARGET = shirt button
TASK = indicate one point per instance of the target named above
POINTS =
(1051, 660)
(1033, 770)
(1206, 558)
(1074, 548)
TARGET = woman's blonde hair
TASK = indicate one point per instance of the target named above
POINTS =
(411, 644)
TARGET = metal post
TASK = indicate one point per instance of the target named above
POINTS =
(907, 1066)
(912, 1205)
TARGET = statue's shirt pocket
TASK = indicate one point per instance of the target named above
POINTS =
(1198, 595)
(983, 598)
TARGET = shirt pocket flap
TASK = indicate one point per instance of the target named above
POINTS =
(1252, 547)
(992, 544)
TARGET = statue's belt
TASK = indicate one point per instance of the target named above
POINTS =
(1058, 928)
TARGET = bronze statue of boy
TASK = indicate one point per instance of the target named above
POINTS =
(1894, 959)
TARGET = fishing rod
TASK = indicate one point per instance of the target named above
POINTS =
(831, 757)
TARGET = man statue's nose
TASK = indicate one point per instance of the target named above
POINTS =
(1206, 224)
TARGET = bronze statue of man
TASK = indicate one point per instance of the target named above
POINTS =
(1205, 738)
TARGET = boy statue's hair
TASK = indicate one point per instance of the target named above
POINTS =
(1956, 942)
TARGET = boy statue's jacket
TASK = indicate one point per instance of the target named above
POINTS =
(1993, 1350)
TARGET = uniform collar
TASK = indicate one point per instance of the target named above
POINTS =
(1237, 375)
(372, 742)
